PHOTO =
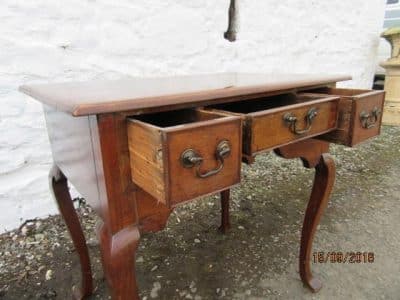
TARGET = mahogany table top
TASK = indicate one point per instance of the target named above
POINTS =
(133, 94)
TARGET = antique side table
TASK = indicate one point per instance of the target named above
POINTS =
(136, 148)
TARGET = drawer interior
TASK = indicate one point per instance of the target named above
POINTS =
(266, 103)
(176, 117)
(339, 91)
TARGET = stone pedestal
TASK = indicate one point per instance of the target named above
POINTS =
(391, 115)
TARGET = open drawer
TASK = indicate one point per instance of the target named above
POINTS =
(178, 155)
(360, 115)
(274, 121)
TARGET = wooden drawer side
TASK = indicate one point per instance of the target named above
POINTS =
(147, 159)
(247, 135)
(345, 115)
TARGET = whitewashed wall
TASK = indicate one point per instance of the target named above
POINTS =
(53, 40)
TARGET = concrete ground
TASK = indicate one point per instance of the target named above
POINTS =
(258, 258)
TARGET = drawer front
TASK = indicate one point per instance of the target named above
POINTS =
(212, 174)
(367, 117)
(360, 115)
(277, 127)
(178, 163)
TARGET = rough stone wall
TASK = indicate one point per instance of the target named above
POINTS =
(47, 41)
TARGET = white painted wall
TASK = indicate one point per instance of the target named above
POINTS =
(52, 40)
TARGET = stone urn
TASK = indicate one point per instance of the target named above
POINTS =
(391, 115)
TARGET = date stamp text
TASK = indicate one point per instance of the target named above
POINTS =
(342, 257)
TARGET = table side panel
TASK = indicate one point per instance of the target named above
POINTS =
(98, 161)
(72, 148)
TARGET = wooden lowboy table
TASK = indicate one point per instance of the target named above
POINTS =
(136, 148)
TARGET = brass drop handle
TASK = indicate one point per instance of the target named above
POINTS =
(369, 120)
(291, 120)
(190, 158)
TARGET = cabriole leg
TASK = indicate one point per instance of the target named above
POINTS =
(59, 188)
(314, 154)
(323, 183)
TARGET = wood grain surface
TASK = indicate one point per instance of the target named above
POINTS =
(350, 131)
(157, 141)
(264, 126)
(135, 94)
